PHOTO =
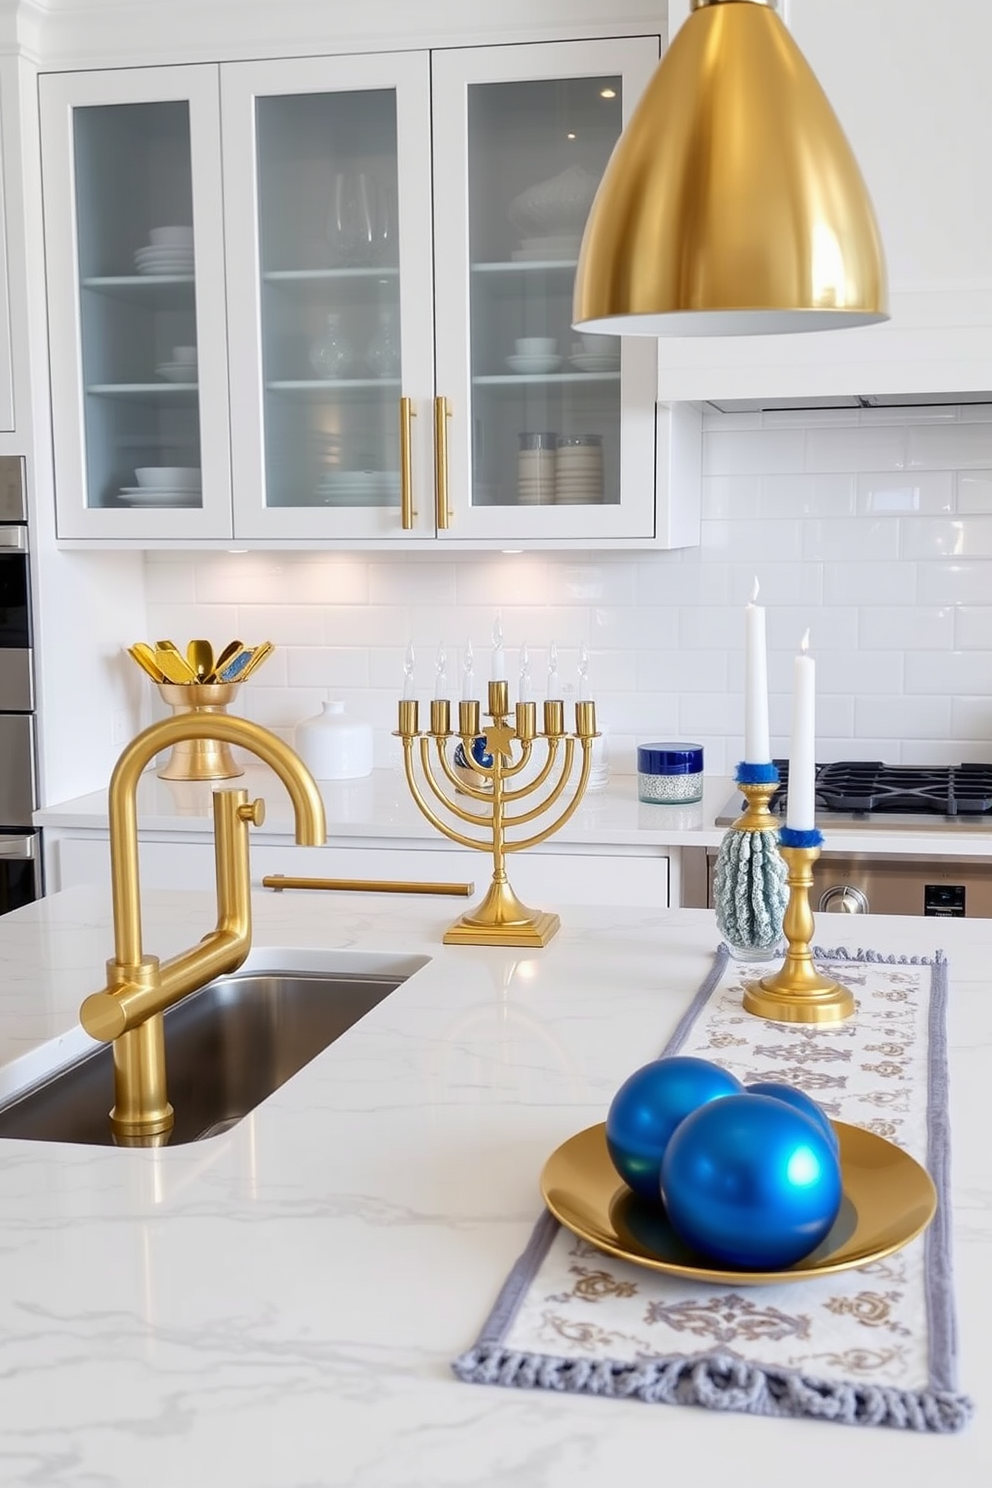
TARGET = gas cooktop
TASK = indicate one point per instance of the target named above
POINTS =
(871, 794)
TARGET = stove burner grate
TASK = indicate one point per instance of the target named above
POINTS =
(869, 786)
(952, 790)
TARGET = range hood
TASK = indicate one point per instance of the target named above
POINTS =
(854, 400)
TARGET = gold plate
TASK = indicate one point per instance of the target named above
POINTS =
(888, 1200)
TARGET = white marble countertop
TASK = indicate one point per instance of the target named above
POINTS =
(278, 1307)
(381, 809)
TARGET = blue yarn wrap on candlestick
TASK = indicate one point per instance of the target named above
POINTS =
(748, 774)
(789, 837)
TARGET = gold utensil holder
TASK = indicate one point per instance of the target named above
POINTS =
(199, 759)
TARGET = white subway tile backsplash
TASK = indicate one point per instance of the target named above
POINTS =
(953, 582)
(330, 668)
(945, 537)
(831, 629)
(955, 446)
(973, 626)
(860, 672)
(869, 583)
(903, 717)
(410, 579)
(633, 628)
(732, 496)
(807, 496)
(907, 628)
(904, 493)
(682, 671)
(872, 528)
(751, 540)
(753, 452)
(952, 672)
(879, 448)
(611, 580)
(971, 718)
(974, 491)
(850, 540)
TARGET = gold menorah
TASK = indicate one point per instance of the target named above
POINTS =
(500, 919)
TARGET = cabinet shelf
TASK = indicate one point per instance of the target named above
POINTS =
(315, 388)
(309, 276)
(174, 391)
(527, 266)
(514, 379)
(156, 291)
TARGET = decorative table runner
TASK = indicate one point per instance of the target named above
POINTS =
(870, 1346)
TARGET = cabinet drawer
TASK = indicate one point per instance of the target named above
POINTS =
(547, 878)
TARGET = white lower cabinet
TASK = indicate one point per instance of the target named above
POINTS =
(546, 879)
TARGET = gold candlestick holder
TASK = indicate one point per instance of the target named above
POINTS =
(797, 993)
(501, 918)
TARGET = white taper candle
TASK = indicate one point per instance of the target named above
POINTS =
(757, 749)
(800, 813)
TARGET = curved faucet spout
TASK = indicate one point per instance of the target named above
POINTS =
(308, 807)
(128, 1010)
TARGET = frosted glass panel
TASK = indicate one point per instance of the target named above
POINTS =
(137, 309)
(546, 402)
(329, 255)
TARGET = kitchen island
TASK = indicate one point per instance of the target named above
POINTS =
(278, 1307)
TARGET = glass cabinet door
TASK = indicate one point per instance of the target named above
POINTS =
(138, 348)
(537, 446)
(329, 271)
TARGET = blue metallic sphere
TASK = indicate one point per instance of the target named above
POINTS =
(480, 754)
(751, 1182)
(649, 1106)
(799, 1101)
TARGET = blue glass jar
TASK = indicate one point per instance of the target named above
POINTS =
(669, 774)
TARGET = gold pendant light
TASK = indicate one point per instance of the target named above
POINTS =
(732, 203)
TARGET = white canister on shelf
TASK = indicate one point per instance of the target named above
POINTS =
(334, 746)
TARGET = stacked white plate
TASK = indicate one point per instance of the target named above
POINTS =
(595, 361)
(167, 259)
(158, 496)
(177, 371)
(552, 246)
(359, 488)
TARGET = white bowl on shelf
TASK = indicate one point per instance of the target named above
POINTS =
(169, 477)
(533, 364)
(171, 237)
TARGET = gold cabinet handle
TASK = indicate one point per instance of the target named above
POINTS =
(280, 881)
(442, 413)
(407, 414)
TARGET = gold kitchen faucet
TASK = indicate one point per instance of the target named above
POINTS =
(127, 1012)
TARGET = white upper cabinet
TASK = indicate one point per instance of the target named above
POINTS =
(908, 80)
(328, 300)
(547, 434)
(327, 178)
(138, 338)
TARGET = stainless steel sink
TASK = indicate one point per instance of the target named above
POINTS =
(228, 1046)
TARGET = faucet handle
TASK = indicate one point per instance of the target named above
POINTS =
(253, 811)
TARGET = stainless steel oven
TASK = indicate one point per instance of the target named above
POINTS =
(20, 853)
(868, 795)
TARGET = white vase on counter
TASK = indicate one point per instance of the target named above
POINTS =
(334, 746)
